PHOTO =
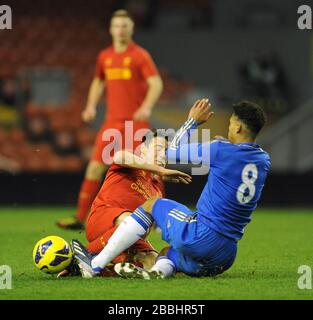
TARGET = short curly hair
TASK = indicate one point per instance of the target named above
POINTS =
(251, 114)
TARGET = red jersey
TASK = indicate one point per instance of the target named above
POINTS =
(125, 75)
(127, 188)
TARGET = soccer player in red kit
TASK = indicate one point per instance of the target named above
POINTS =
(130, 181)
(133, 86)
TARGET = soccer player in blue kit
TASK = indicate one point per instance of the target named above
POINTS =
(201, 242)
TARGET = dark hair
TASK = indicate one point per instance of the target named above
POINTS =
(251, 114)
(153, 133)
(121, 14)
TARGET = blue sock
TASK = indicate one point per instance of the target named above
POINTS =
(142, 217)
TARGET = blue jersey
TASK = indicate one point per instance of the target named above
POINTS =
(236, 178)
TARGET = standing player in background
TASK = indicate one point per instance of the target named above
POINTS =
(133, 86)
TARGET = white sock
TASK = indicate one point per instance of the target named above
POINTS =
(127, 233)
(165, 265)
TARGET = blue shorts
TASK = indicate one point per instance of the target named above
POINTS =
(196, 249)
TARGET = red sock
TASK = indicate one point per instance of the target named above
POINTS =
(87, 194)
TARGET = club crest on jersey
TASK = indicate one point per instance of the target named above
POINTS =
(108, 62)
(126, 61)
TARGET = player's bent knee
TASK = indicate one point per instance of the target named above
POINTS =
(95, 170)
(122, 217)
(148, 205)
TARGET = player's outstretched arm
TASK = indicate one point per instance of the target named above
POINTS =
(130, 160)
(180, 150)
(199, 113)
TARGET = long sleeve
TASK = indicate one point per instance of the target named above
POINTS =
(183, 152)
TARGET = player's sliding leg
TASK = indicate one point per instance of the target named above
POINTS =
(84, 258)
(199, 250)
(88, 191)
(163, 265)
(100, 226)
(141, 251)
(163, 268)
(128, 232)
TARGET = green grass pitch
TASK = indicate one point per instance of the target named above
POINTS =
(275, 244)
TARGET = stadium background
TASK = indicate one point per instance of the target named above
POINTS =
(216, 49)
(222, 49)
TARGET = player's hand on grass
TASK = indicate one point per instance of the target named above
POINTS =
(174, 176)
(142, 114)
(89, 114)
(201, 111)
